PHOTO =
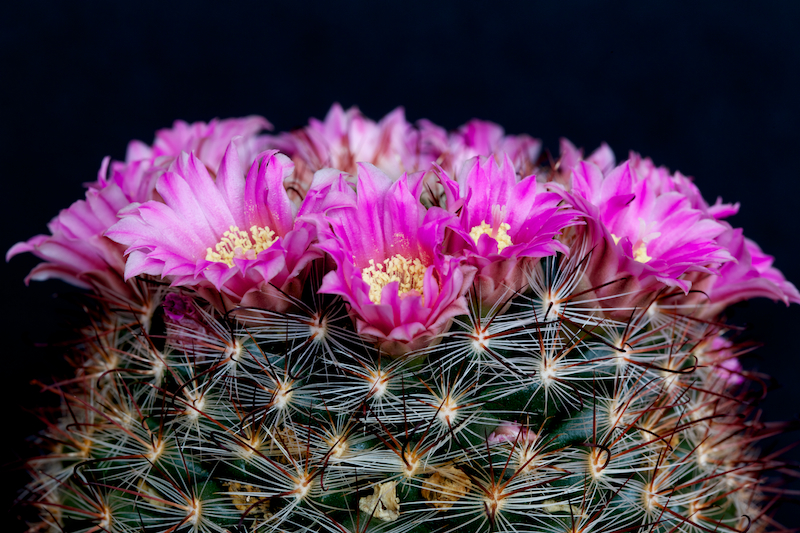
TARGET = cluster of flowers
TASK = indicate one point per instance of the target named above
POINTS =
(409, 217)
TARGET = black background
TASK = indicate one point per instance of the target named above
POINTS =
(708, 88)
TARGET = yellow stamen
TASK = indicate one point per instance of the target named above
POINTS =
(639, 254)
(498, 230)
(410, 274)
(237, 243)
(500, 235)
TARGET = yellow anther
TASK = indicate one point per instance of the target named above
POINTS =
(498, 230)
(640, 254)
(410, 275)
(237, 243)
(500, 234)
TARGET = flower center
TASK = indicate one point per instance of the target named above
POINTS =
(410, 275)
(498, 230)
(237, 243)
(639, 254)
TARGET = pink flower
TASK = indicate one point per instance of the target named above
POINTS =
(402, 291)
(143, 165)
(642, 230)
(178, 307)
(76, 250)
(664, 182)
(570, 156)
(660, 178)
(512, 432)
(233, 234)
(503, 221)
(185, 323)
(477, 138)
(603, 157)
(751, 275)
(343, 139)
(730, 370)
(718, 353)
(209, 142)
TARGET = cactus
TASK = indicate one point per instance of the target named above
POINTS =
(553, 368)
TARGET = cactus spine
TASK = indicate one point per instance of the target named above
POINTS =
(541, 414)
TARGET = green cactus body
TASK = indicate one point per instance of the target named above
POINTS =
(266, 421)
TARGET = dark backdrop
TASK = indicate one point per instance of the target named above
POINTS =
(707, 88)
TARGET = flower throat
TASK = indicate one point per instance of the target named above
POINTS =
(237, 243)
(497, 230)
(410, 275)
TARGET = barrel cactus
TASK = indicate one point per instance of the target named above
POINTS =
(360, 326)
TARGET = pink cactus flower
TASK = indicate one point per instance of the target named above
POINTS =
(233, 234)
(603, 156)
(512, 432)
(664, 182)
(178, 307)
(209, 142)
(185, 323)
(76, 250)
(730, 370)
(343, 139)
(143, 165)
(644, 168)
(503, 221)
(387, 248)
(642, 231)
(570, 156)
(477, 138)
(718, 353)
(751, 275)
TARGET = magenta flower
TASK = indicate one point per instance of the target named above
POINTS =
(730, 370)
(642, 231)
(138, 174)
(178, 307)
(386, 246)
(718, 353)
(751, 275)
(512, 432)
(664, 182)
(503, 221)
(660, 178)
(209, 142)
(473, 139)
(570, 156)
(343, 139)
(233, 234)
(76, 250)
